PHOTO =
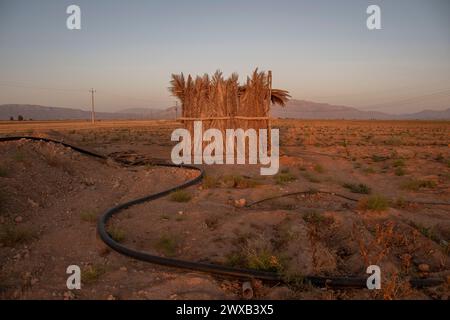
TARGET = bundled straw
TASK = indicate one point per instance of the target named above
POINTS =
(223, 103)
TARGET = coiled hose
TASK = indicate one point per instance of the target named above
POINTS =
(334, 282)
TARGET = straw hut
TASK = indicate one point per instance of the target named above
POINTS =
(224, 103)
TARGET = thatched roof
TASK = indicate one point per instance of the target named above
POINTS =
(205, 86)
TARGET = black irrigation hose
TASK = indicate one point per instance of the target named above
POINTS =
(336, 282)
(312, 192)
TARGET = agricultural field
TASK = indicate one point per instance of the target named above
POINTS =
(349, 194)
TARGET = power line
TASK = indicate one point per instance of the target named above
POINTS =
(14, 85)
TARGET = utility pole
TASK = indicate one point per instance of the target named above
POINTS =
(92, 91)
(176, 110)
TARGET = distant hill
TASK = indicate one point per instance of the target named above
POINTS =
(428, 115)
(147, 113)
(295, 109)
(302, 109)
(37, 112)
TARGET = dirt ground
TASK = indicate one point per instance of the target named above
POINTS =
(396, 174)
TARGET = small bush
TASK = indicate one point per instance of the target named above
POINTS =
(316, 218)
(180, 196)
(11, 235)
(399, 171)
(284, 177)
(310, 177)
(377, 158)
(261, 260)
(117, 234)
(426, 232)
(369, 170)
(375, 203)
(92, 273)
(358, 188)
(167, 245)
(210, 182)
(399, 163)
(239, 182)
(319, 169)
(416, 185)
(88, 216)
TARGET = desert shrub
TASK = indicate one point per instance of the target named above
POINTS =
(394, 141)
(285, 176)
(167, 245)
(117, 234)
(92, 273)
(210, 182)
(375, 203)
(358, 188)
(180, 196)
(11, 235)
(313, 217)
(399, 163)
(399, 171)
(256, 259)
(369, 170)
(263, 260)
(378, 158)
(239, 182)
(310, 177)
(416, 184)
(426, 232)
(319, 168)
(88, 216)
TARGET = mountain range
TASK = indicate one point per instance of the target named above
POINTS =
(295, 109)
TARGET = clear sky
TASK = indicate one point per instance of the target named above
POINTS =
(319, 50)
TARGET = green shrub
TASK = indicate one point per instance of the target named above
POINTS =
(167, 245)
(239, 182)
(117, 234)
(375, 203)
(416, 185)
(92, 273)
(180, 196)
(358, 188)
(284, 177)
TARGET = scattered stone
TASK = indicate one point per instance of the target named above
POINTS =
(33, 203)
(111, 297)
(68, 295)
(18, 219)
(424, 267)
(124, 269)
(240, 203)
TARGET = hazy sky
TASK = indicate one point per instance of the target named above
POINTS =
(318, 50)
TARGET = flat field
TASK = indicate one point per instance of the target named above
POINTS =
(349, 194)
